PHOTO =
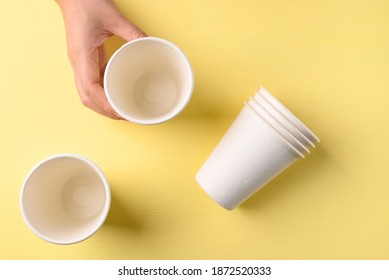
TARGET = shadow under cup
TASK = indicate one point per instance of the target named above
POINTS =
(148, 81)
(65, 199)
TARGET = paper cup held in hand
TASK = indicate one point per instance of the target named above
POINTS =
(148, 81)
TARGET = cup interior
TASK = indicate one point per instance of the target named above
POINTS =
(65, 199)
(148, 80)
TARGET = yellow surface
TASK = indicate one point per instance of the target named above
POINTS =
(327, 61)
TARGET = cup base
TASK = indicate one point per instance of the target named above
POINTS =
(82, 197)
(155, 94)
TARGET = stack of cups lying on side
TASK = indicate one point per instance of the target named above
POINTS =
(263, 141)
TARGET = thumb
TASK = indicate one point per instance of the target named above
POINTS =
(127, 30)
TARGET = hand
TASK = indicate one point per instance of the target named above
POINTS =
(88, 24)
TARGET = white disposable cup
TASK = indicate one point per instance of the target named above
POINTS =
(288, 115)
(65, 199)
(249, 155)
(255, 149)
(148, 81)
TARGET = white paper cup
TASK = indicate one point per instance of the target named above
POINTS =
(65, 199)
(254, 150)
(249, 155)
(148, 81)
(288, 115)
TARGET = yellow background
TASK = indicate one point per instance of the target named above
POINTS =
(327, 61)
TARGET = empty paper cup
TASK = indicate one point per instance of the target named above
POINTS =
(253, 151)
(65, 199)
(148, 81)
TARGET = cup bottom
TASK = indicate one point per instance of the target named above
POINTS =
(248, 156)
(155, 94)
(82, 197)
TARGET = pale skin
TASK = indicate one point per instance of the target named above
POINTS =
(88, 24)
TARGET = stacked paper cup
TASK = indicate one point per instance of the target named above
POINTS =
(263, 141)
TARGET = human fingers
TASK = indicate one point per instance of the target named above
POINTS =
(91, 104)
(125, 29)
(88, 72)
(102, 63)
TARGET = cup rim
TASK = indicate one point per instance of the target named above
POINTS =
(107, 203)
(279, 116)
(154, 120)
(279, 127)
(287, 113)
(275, 130)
